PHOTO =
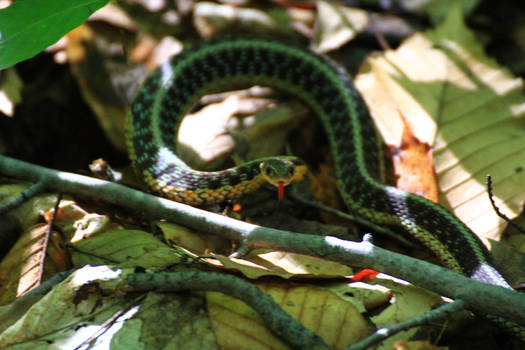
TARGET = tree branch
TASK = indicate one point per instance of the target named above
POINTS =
(479, 297)
(275, 318)
(382, 334)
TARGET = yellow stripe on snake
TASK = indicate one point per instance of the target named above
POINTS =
(170, 91)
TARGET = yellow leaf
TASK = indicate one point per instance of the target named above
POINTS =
(237, 326)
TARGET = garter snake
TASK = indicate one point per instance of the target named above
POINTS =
(170, 91)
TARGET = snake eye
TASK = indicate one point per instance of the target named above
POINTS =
(266, 170)
(290, 172)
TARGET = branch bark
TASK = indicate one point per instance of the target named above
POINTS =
(275, 318)
(479, 297)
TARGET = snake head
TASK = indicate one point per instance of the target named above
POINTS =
(280, 172)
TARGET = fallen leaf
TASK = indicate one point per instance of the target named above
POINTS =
(414, 167)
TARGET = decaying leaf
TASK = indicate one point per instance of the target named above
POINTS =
(414, 167)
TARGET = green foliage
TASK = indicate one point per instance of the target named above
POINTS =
(29, 26)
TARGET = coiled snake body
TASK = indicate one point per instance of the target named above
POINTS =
(170, 91)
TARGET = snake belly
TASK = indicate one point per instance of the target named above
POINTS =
(171, 90)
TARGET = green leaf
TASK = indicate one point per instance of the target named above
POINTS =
(439, 9)
(29, 26)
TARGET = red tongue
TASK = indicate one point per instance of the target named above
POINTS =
(280, 190)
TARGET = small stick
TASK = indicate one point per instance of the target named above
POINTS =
(496, 209)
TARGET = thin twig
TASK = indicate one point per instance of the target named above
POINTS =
(356, 219)
(437, 314)
(274, 317)
(31, 191)
(104, 327)
(44, 245)
(497, 210)
(480, 297)
(381, 40)
(47, 235)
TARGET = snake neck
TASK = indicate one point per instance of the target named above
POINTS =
(327, 89)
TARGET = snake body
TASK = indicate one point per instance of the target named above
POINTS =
(170, 91)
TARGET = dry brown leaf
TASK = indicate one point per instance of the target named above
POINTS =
(20, 269)
(25, 267)
(462, 103)
(414, 167)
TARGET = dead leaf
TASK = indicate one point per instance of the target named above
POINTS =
(414, 167)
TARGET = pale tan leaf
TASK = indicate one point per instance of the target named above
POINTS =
(462, 103)
(285, 265)
(210, 18)
(336, 25)
(237, 326)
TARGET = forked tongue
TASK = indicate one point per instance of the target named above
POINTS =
(280, 190)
